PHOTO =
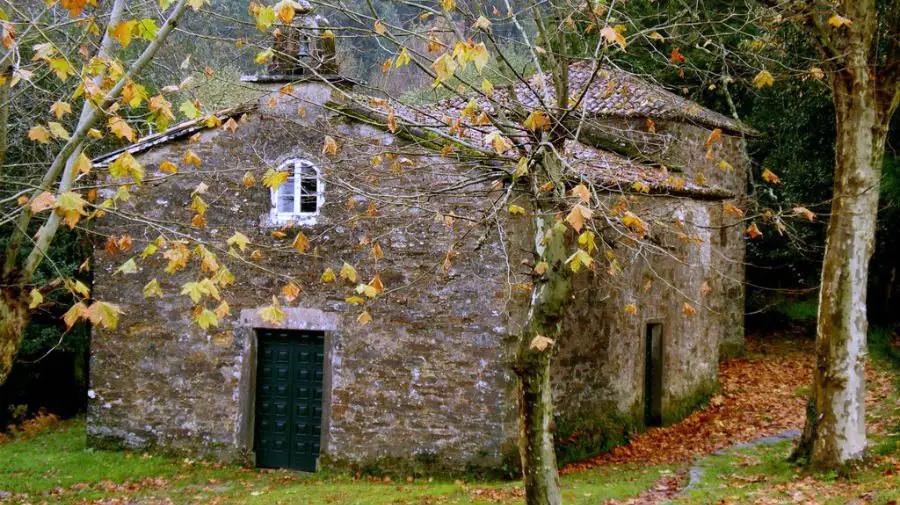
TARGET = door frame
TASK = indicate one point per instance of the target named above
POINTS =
(296, 319)
(652, 418)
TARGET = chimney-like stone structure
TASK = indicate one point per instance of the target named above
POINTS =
(303, 47)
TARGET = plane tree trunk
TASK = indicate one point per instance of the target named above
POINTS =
(541, 332)
(835, 433)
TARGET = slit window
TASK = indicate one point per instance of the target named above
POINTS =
(300, 197)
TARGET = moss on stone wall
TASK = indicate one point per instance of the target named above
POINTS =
(581, 437)
(425, 464)
(677, 409)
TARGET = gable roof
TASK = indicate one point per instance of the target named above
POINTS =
(178, 131)
(615, 173)
(611, 92)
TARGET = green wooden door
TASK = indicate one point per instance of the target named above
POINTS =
(289, 399)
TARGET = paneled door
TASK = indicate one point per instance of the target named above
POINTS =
(289, 398)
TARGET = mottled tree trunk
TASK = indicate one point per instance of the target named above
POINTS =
(13, 318)
(536, 437)
(836, 432)
(534, 355)
(532, 366)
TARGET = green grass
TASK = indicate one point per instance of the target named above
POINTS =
(762, 474)
(798, 309)
(56, 467)
(883, 348)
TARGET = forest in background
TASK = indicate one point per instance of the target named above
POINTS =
(780, 267)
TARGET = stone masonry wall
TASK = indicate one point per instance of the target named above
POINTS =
(724, 163)
(426, 381)
(599, 371)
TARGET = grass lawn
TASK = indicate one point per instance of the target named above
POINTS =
(54, 466)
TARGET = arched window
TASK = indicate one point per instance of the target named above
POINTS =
(300, 197)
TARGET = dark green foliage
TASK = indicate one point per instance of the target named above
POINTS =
(51, 370)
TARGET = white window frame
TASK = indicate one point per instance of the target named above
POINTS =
(296, 166)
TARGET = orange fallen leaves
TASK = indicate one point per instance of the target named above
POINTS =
(761, 395)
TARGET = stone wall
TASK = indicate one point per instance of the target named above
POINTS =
(683, 148)
(427, 381)
(599, 372)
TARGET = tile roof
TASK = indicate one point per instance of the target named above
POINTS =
(610, 92)
(178, 131)
(616, 173)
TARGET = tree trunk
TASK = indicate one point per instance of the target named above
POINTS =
(13, 318)
(836, 432)
(536, 446)
(532, 365)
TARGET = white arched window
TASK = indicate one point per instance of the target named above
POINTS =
(301, 196)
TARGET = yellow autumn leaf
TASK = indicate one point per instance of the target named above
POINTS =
(365, 318)
(753, 232)
(70, 205)
(152, 289)
(500, 143)
(39, 134)
(803, 211)
(300, 243)
(515, 210)
(35, 298)
(329, 147)
(540, 343)
(613, 36)
(402, 59)
(120, 128)
(191, 158)
(123, 31)
(377, 253)
(838, 21)
(42, 202)
(206, 318)
(272, 314)
(327, 276)
(348, 272)
(263, 56)
(273, 179)
(167, 167)
(355, 300)
(367, 290)
(58, 131)
(578, 215)
(770, 177)
(240, 240)
(763, 79)
(488, 87)
(728, 208)
(444, 67)
(290, 291)
(61, 109)
(580, 259)
(537, 120)
(103, 314)
(634, 223)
